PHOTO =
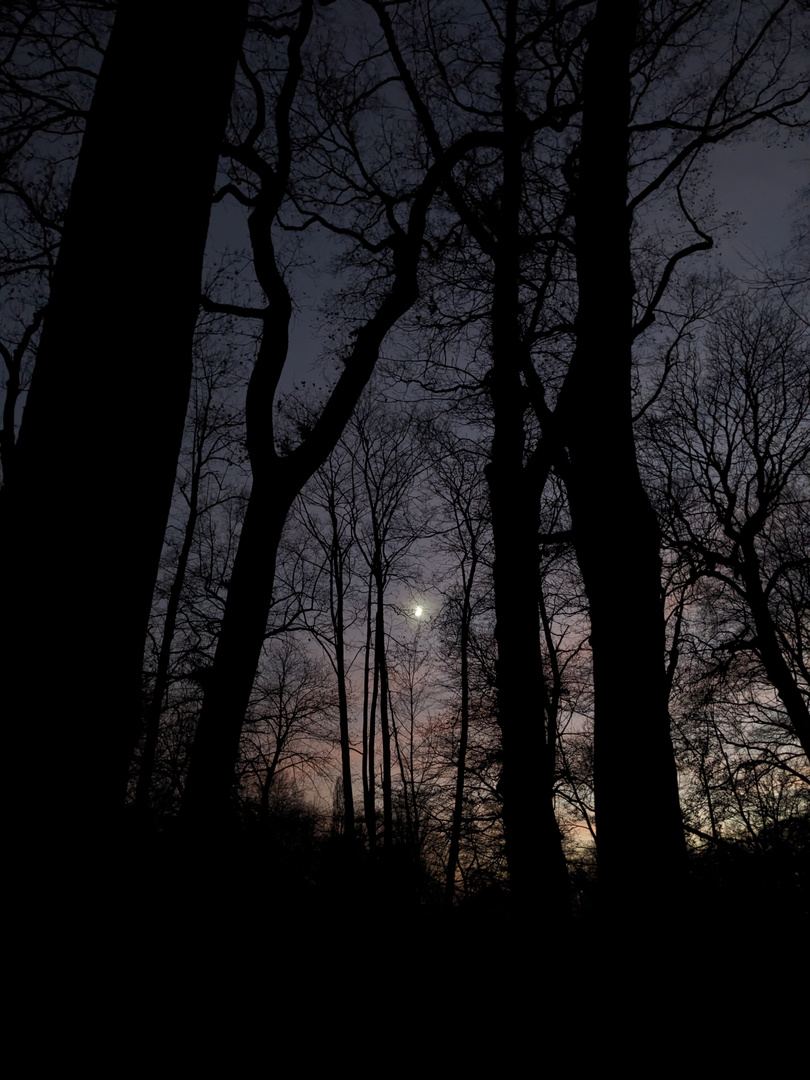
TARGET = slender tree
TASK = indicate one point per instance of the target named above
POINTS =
(387, 527)
(203, 486)
(326, 513)
(458, 479)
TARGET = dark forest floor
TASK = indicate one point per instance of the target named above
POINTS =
(234, 940)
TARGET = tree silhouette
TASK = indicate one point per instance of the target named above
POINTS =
(505, 199)
(394, 249)
(732, 442)
(104, 416)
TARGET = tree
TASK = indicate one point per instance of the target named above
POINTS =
(621, 571)
(582, 103)
(620, 146)
(387, 527)
(326, 513)
(731, 446)
(384, 217)
(51, 53)
(457, 481)
(104, 416)
(204, 487)
(288, 730)
(363, 510)
(495, 195)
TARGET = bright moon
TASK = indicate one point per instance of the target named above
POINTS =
(417, 611)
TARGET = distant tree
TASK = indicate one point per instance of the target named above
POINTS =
(326, 512)
(457, 479)
(388, 525)
(290, 726)
(730, 456)
(205, 485)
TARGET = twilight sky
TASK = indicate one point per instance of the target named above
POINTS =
(762, 183)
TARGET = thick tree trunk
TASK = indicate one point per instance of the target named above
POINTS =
(639, 830)
(86, 506)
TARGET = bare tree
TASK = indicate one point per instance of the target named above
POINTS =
(457, 479)
(290, 725)
(388, 524)
(582, 103)
(326, 512)
(731, 445)
(205, 485)
(384, 217)
(103, 419)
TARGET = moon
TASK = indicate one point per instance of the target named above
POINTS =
(417, 611)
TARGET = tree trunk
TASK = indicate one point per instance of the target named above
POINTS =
(369, 732)
(86, 507)
(537, 871)
(639, 831)
(381, 664)
(146, 764)
(461, 764)
(208, 799)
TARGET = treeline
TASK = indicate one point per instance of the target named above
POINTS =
(585, 464)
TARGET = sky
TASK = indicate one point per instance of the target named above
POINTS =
(763, 184)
